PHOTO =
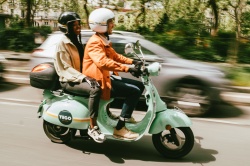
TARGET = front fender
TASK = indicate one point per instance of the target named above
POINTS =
(173, 117)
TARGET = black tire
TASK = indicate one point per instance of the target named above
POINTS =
(194, 100)
(57, 134)
(166, 146)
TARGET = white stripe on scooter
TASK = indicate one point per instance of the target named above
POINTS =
(74, 119)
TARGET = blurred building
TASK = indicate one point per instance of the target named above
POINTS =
(47, 11)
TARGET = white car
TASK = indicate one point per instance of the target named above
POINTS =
(192, 86)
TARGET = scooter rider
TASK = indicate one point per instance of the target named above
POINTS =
(100, 59)
(68, 62)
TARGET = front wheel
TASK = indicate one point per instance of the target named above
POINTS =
(57, 134)
(165, 142)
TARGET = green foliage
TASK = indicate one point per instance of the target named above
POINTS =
(159, 28)
(245, 23)
(244, 53)
(21, 39)
(16, 22)
(239, 75)
(221, 43)
(43, 30)
(121, 28)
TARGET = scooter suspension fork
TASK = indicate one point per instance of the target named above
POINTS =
(174, 137)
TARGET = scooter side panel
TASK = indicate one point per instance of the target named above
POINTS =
(68, 113)
(172, 117)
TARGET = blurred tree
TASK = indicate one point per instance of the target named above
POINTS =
(28, 12)
(86, 10)
(215, 20)
(245, 24)
(141, 17)
(235, 10)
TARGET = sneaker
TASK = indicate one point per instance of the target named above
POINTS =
(96, 134)
(125, 133)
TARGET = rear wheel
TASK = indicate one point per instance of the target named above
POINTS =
(165, 143)
(194, 100)
(55, 133)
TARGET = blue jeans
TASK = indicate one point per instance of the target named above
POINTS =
(129, 89)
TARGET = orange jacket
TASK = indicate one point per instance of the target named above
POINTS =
(99, 59)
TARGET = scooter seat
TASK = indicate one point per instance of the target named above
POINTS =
(75, 94)
(71, 93)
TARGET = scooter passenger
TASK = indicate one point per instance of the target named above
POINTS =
(68, 62)
(100, 60)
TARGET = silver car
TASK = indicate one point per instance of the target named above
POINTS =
(193, 86)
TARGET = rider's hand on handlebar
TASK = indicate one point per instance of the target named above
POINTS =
(136, 72)
(137, 63)
(91, 81)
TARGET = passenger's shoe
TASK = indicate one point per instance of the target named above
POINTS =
(125, 133)
(96, 134)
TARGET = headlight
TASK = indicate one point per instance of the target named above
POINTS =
(154, 69)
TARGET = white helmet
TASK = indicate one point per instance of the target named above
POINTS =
(98, 19)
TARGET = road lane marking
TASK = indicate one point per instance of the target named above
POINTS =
(18, 104)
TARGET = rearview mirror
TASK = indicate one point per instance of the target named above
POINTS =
(129, 48)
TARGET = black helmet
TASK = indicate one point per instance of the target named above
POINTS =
(65, 18)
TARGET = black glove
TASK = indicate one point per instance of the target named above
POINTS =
(91, 81)
(137, 63)
(136, 72)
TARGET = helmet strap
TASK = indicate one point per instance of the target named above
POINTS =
(107, 35)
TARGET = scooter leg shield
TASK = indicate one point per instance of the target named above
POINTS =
(173, 117)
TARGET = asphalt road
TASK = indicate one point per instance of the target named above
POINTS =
(23, 142)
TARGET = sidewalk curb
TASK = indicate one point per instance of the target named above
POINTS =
(240, 89)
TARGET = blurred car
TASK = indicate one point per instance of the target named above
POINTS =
(2, 66)
(191, 86)
(46, 50)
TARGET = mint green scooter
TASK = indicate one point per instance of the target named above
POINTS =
(64, 114)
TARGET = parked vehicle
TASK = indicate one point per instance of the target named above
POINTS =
(64, 114)
(193, 86)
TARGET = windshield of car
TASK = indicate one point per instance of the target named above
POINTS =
(119, 47)
(149, 49)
